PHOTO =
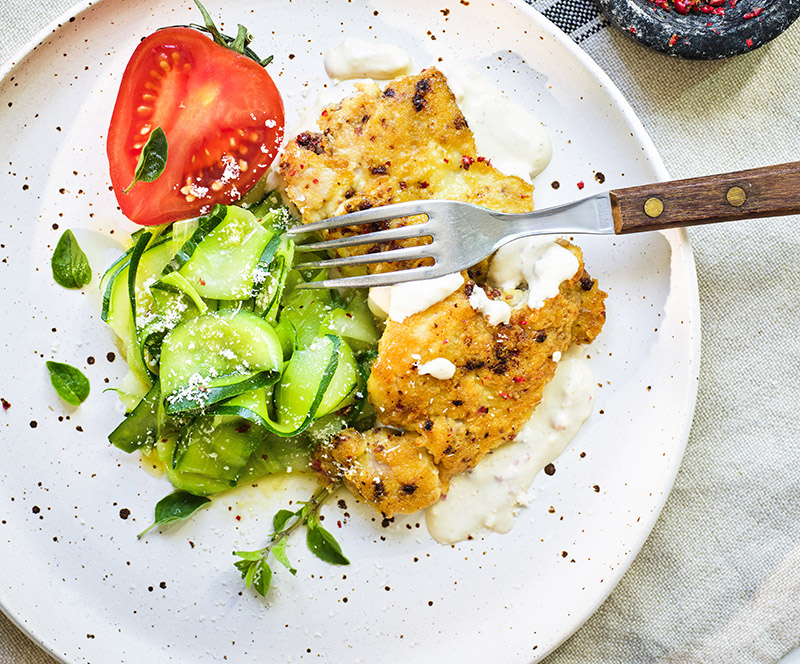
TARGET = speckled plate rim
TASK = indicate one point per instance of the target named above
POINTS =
(687, 258)
(679, 239)
(7, 69)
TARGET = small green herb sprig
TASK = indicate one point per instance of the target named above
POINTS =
(69, 383)
(254, 565)
(152, 160)
(69, 263)
(240, 43)
(177, 506)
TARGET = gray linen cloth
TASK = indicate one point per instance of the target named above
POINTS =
(718, 580)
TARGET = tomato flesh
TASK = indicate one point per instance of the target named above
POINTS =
(222, 115)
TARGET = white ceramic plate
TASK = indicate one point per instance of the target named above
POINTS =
(74, 575)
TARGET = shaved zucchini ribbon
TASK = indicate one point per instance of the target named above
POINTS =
(235, 373)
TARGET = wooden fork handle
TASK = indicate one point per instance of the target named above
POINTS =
(760, 192)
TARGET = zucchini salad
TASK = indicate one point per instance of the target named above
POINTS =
(237, 373)
(234, 373)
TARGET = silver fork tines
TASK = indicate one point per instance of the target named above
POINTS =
(404, 254)
(382, 213)
(462, 235)
(401, 233)
(374, 280)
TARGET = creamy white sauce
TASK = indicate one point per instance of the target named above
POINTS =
(496, 311)
(353, 65)
(504, 132)
(507, 134)
(400, 301)
(517, 144)
(440, 368)
(514, 141)
(537, 261)
(378, 302)
(355, 58)
(486, 497)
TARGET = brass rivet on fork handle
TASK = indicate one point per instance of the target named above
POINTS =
(653, 207)
(465, 234)
(736, 196)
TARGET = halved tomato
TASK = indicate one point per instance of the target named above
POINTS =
(222, 116)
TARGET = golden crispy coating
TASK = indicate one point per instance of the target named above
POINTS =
(407, 142)
(592, 314)
(390, 470)
(501, 372)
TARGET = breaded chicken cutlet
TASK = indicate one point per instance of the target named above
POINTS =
(410, 141)
(406, 142)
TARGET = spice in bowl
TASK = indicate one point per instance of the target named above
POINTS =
(703, 6)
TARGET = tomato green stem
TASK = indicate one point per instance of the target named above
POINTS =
(240, 44)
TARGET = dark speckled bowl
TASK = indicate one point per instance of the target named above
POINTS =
(700, 36)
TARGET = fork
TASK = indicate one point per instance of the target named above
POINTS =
(463, 234)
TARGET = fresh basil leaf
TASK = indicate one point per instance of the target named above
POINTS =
(311, 517)
(243, 566)
(262, 577)
(70, 383)
(249, 573)
(279, 551)
(176, 506)
(70, 266)
(325, 547)
(256, 573)
(248, 555)
(280, 519)
(152, 160)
